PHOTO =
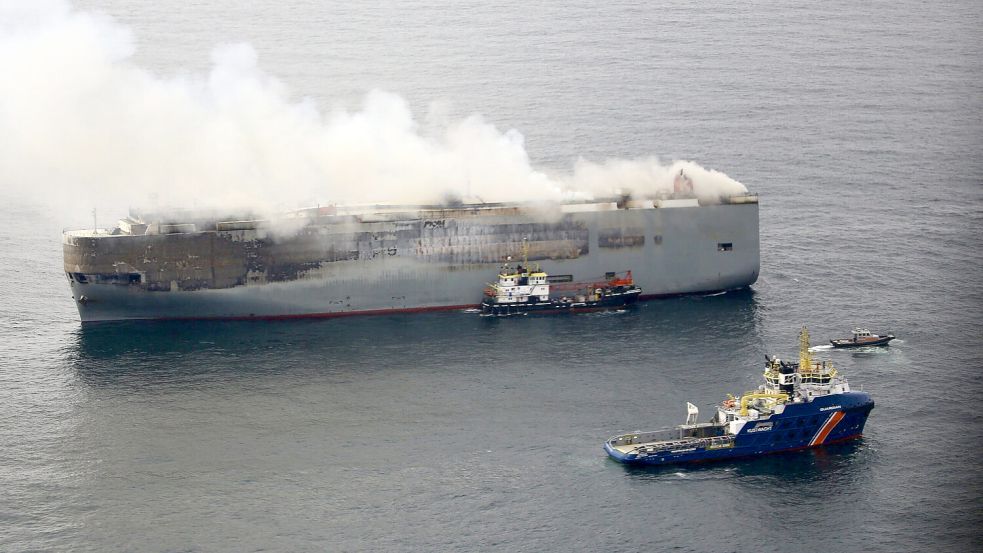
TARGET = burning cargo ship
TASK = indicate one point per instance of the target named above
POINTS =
(386, 259)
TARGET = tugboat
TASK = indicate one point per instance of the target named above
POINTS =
(800, 405)
(862, 337)
(522, 290)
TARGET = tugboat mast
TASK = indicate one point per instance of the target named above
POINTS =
(805, 359)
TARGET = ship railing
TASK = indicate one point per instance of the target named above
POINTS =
(823, 375)
(667, 445)
(819, 375)
(715, 442)
(87, 232)
(772, 377)
(650, 436)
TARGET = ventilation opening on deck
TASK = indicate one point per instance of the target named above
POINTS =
(725, 246)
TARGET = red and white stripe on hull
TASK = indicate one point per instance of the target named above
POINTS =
(828, 427)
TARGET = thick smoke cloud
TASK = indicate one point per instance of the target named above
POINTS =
(80, 120)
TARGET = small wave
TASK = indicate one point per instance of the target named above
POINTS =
(607, 313)
(471, 310)
(869, 349)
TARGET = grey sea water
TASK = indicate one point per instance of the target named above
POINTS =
(859, 124)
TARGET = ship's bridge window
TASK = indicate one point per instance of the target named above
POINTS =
(80, 278)
(725, 246)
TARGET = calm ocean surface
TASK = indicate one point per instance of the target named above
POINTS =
(859, 124)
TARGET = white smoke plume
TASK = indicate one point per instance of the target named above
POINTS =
(79, 119)
(648, 177)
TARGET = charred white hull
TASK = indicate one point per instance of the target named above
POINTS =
(406, 261)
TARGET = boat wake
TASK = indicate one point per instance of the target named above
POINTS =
(606, 313)
(858, 349)
(871, 349)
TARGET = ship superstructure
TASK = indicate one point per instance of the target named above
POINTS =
(801, 404)
(331, 261)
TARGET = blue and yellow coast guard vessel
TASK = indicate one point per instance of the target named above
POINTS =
(800, 405)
